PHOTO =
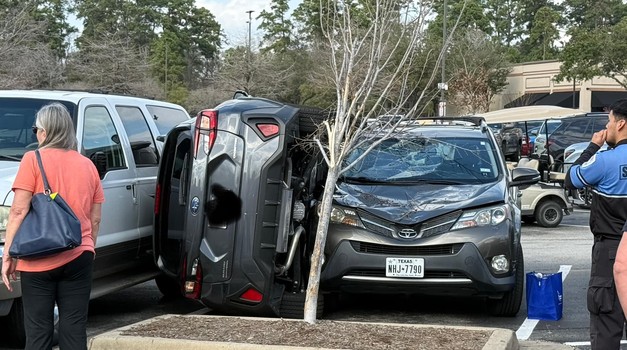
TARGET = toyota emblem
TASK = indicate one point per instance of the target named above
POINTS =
(408, 233)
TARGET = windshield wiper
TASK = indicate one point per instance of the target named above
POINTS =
(362, 180)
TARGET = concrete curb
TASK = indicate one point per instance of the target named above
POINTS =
(500, 339)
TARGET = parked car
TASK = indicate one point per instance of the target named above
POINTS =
(571, 130)
(582, 196)
(118, 133)
(408, 217)
(547, 127)
(510, 137)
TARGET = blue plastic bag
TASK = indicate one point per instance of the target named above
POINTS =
(544, 296)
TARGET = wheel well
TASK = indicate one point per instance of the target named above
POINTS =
(552, 198)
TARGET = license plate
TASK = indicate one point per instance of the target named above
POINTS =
(405, 267)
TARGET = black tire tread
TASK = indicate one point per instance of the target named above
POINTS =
(542, 207)
(293, 305)
(168, 286)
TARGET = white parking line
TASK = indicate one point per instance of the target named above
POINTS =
(567, 225)
(526, 328)
(586, 343)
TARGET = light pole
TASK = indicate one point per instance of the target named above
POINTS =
(443, 86)
(250, 21)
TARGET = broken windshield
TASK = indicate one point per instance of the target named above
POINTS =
(430, 160)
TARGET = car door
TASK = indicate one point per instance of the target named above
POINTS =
(102, 139)
(146, 158)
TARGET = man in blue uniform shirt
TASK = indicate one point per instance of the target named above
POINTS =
(606, 173)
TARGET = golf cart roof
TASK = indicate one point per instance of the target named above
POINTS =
(528, 113)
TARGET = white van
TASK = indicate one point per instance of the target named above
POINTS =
(120, 135)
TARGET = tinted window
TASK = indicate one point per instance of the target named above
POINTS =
(138, 132)
(418, 159)
(17, 116)
(166, 118)
(100, 135)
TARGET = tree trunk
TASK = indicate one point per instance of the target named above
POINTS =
(311, 301)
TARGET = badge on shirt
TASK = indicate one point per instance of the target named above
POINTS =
(623, 172)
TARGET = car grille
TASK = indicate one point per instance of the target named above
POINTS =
(373, 248)
(428, 228)
(428, 274)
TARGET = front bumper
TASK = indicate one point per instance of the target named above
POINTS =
(456, 269)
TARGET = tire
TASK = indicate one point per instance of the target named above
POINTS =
(509, 305)
(310, 119)
(528, 219)
(15, 322)
(516, 156)
(168, 286)
(549, 214)
(293, 305)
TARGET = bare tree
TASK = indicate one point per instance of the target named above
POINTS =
(480, 71)
(25, 61)
(370, 66)
(112, 64)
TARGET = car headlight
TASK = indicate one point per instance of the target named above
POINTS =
(4, 218)
(345, 216)
(482, 217)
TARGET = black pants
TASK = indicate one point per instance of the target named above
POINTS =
(607, 321)
(69, 286)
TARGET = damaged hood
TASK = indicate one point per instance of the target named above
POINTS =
(410, 204)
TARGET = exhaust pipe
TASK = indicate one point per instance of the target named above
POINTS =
(290, 257)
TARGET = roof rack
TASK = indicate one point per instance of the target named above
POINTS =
(475, 120)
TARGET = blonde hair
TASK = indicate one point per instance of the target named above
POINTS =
(55, 119)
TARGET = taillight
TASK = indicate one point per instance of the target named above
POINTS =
(206, 129)
(192, 288)
(252, 295)
(157, 199)
(268, 130)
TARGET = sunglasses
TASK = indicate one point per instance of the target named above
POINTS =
(35, 129)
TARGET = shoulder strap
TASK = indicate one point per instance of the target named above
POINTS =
(43, 173)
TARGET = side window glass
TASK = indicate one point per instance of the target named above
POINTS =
(577, 128)
(138, 132)
(100, 139)
(599, 124)
(166, 118)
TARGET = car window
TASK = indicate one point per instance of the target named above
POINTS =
(462, 160)
(166, 118)
(138, 132)
(100, 135)
(17, 116)
(599, 124)
(552, 126)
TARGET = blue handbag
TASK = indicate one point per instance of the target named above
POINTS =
(49, 227)
(545, 298)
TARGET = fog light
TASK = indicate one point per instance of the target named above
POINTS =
(500, 263)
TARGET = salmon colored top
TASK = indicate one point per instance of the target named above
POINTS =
(76, 179)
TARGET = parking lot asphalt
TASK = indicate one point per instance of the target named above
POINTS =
(500, 339)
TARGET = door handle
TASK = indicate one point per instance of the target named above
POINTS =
(129, 187)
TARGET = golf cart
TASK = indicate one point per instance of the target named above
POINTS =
(547, 201)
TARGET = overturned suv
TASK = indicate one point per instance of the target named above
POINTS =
(431, 210)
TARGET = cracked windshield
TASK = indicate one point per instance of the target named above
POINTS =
(425, 160)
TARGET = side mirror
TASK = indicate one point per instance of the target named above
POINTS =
(523, 177)
(100, 161)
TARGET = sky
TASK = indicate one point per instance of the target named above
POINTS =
(232, 16)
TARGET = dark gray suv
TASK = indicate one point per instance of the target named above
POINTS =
(431, 210)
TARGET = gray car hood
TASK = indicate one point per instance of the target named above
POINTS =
(416, 203)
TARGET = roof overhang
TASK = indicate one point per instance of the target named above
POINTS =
(528, 113)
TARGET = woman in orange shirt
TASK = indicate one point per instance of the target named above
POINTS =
(63, 278)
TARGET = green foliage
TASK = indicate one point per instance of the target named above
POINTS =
(594, 14)
(277, 27)
(595, 52)
(539, 45)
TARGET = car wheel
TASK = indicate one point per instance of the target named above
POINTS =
(168, 286)
(15, 321)
(509, 304)
(549, 214)
(310, 119)
(516, 156)
(293, 305)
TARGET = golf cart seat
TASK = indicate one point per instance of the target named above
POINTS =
(529, 163)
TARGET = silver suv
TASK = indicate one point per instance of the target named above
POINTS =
(120, 135)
